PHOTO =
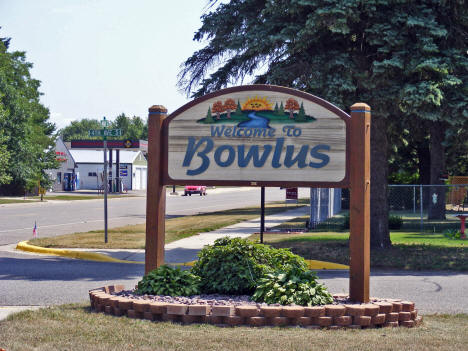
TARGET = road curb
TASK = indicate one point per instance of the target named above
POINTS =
(93, 256)
(82, 255)
(314, 264)
(89, 256)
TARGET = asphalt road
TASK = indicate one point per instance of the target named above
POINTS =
(64, 217)
(27, 279)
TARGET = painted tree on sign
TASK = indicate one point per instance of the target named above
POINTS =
(238, 109)
(218, 108)
(229, 105)
(291, 106)
(281, 109)
(209, 117)
(276, 110)
(301, 116)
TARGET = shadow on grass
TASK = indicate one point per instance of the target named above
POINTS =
(417, 257)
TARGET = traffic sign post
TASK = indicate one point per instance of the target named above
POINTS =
(104, 124)
(104, 133)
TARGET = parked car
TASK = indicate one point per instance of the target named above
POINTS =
(195, 189)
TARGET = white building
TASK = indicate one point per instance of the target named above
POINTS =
(90, 167)
(64, 176)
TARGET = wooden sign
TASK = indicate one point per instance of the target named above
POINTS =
(262, 135)
(257, 135)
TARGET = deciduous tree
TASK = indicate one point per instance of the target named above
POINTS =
(25, 129)
(132, 128)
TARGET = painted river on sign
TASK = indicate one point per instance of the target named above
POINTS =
(255, 122)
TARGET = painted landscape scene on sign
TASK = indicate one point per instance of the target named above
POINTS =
(256, 113)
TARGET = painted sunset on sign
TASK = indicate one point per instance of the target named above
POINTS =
(256, 112)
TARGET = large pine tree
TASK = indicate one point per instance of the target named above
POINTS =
(401, 57)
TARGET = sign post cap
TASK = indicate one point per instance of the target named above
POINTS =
(360, 106)
(157, 109)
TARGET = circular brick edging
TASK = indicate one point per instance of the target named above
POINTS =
(379, 313)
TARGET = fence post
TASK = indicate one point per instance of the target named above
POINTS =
(314, 207)
(421, 207)
(414, 199)
(156, 192)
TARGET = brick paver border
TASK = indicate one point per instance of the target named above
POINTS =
(378, 313)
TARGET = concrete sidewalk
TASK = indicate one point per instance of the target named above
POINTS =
(5, 311)
(184, 250)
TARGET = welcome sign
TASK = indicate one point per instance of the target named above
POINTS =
(262, 135)
(257, 135)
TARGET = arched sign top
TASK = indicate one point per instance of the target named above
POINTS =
(266, 88)
(257, 135)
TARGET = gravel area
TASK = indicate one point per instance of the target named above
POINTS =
(204, 299)
(217, 299)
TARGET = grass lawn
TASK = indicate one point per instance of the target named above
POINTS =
(133, 236)
(410, 251)
(15, 201)
(411, 222)
(74, 327)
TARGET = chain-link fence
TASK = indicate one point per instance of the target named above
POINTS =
(324, 212)
(425, 208)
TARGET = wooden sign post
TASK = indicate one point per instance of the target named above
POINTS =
(359, 205)
(262, 135)
(156, 192)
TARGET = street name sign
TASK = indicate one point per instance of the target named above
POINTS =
(105, 132)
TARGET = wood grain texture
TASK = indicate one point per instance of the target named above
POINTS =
(359, 208)
(156, 192)
(329, 128)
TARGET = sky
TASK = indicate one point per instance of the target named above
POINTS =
(100, 58)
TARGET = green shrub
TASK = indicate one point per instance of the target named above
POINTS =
(169, 281)
(395, 222)
(292, 286)
(452, 234)
(234, 266)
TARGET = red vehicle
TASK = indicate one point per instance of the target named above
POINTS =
(195, 189)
